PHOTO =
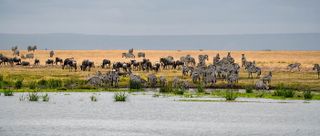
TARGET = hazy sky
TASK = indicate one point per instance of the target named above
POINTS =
(159, 17)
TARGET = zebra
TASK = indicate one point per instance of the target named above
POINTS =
(253, 69)
(317, 68)
(187, 60)
(32, 48)
(243, 60)
(16, 53)
(210, 78)
(294, 66)
(128, 55)
(232, 79)
(141, 54)
(216, 59)
(195, 76)
(28, 56)
(51, 53)
(261, 85)
(152, 80)
(176, 82)
(202, 59)
(267, 78)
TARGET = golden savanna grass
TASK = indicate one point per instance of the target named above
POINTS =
(275, 61)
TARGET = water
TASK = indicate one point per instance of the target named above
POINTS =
(143, 115)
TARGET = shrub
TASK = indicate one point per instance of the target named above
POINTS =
(230, 95)
(284, 93)
(93, 98)
(167, 88)
(260, 94)
(120, 96)
(33, 96)
(42, 83)
(18, 84)
(179, 91)
(135, 84)
(249, 90)
(33, 85)
(45, 97)
(8, 92)
(307, 95)
(1, 78)
(200, 88)
(54, 83)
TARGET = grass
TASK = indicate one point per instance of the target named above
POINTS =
(7, 92)
(200, 88)
(18, 84)
(307, 95)
(120, 96)
(33, 96)
(249, 90)
(93, 98)
(287, 93)
(45, 97)
(133, 84)
(230, 95)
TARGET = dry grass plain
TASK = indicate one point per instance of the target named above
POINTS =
(275, 61)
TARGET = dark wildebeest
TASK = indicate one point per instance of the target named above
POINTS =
(86, 64)
(51, 53)
(146, 65)
(15, 60)
(136, 65)
(71, 63)
(316, 67)
(25, 63)
(156, 67)
(178, 64)
(32, 48)
(4, 60)
(106, 62)
(36, 62)
(58, 60)
(165, 62)
(49, 62)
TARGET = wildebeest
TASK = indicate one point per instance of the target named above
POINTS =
(188, 59)
(51, 53)
(178, 64)
(141, 54)
(58, 60)
(25, 63)
(4, 60)
(70, 63)
(106, 62)
(36, 62)
(28, 56)
(49, 62)
(316, 67)
(125, 66)
(146, 65)
(294, 66)
(167, 61)
(156, 67)
(15, 60)
(243, 60)
(86, 64)
(32, 48)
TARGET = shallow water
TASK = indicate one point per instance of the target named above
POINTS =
(144, 115)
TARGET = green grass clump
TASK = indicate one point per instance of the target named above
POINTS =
(45, 97)
(200, 88)
(307, 95)
(8, 92)
(18, 84)
(42, 83)
(284, 93)
(54, 83)
(120, 96)
(230, 95)
(179, 91)
(1, 78)
(93, 98)
(167, 88)
(249, 90)
(32, 85)
(33, 96)
(134, 84)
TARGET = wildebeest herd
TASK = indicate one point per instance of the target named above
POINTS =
(224, 69)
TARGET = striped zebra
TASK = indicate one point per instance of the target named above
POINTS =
(293, 66)
(316, 67)
(267, 78)
(253, 69)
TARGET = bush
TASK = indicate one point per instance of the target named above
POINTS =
(249, 90)
(167, 88)
(120, 96)
(230, 95)
(45, 97)
(307, 95)
(8, 92)
(134, 84)
(18, 84)
(33, 85)
(200, 88)
(54, 83)
(179, 91)
(42, 83)
(33, 96)
(1, 78)
(284, 93)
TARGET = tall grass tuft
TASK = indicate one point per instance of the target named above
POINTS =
(45, 97)
(230, 95)
(1, 78)
(18, 84)
(8, 92)
(33, 96)
(54, 83)
(32, 85)
(284, 93)
(249, 90)
(167, 88)
(42, 83)
(135, 84)
(120, 96)
(93, 98)
(307, 95)
(200, 88)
